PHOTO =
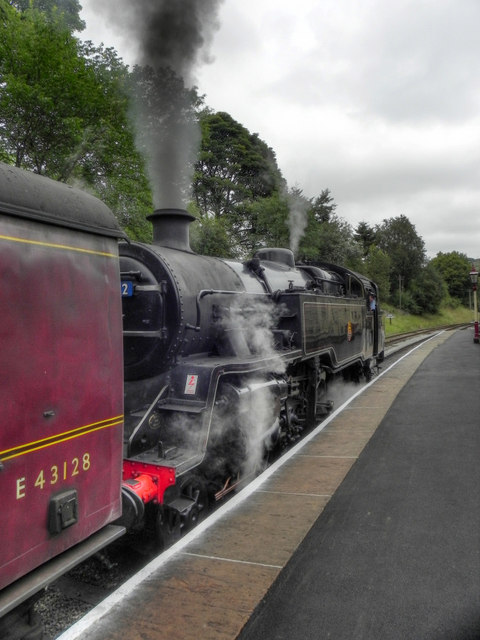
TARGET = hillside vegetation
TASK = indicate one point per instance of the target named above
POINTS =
(402, 322)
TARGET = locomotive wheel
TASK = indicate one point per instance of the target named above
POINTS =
(193, 487)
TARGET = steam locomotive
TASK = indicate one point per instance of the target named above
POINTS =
(225, 362)
(142, 382)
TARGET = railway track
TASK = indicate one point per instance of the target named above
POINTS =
(400, 337)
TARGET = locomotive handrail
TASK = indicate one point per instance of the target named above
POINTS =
(158, 333)
(143, 420)
(207, 292)
(131, 274)
(149, 287)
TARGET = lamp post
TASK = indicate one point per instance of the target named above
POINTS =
(474, 280)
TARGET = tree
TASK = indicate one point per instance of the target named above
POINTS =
(454, 268)
(50, 96)
(365, 236)
(237, 180)
(377, 266)
(65, 11)
(210, 237)
(265, 224)
(427, 290)
(399, 240)
(327, 236)
(40, 75)
(108, 161)
(234, 168)
(64, 114)
(323, 207)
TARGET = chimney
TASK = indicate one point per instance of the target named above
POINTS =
(171, 228)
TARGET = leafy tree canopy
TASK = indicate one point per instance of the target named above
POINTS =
(211, 237)
(65, 12)
(323, 207)
(377, 266)
(266, 224)
(45, 90)
(366, 236)
(327, 236)
(234, 168)
(427, 291)
(398, 238)
(454, 268)
(64, 113)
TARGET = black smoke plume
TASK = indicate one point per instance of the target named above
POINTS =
(170, 39)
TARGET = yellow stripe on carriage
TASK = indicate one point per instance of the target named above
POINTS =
(53, 245)
(21, 450)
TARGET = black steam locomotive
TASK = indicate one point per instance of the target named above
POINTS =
(226, 362)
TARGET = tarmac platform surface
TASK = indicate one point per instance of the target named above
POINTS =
(368, 531)
(395, 553)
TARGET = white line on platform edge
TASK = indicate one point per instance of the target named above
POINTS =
(76, 631)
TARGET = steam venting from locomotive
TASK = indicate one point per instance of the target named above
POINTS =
(171, 40)
(297, 220)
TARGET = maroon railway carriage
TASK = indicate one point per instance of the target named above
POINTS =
(61, 380)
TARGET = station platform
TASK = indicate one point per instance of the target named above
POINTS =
(370, 530)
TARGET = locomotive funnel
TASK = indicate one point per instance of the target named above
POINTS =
(171, 228)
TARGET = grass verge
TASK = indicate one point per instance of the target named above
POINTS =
(402, 322)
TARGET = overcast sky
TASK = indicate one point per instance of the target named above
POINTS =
(378, 101)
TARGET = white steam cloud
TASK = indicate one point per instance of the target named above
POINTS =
(258, 408)
(297, 219)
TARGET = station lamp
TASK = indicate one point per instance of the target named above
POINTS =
(474, 280)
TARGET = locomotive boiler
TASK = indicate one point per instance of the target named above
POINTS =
(226, 362)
